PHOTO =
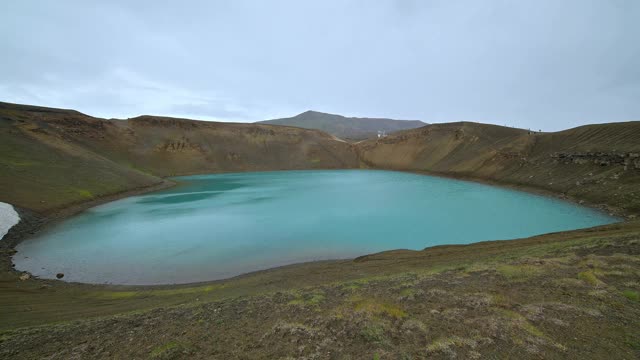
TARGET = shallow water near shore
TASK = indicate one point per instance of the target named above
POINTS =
(216, 226)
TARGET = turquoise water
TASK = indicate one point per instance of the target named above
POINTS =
(217, 226)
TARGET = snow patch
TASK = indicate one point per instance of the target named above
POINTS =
(8, 218)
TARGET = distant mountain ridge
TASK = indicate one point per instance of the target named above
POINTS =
(350, 128)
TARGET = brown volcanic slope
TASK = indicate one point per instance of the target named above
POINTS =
(596, 163)
(52, 157)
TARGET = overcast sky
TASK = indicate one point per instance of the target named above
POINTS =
(549, 64)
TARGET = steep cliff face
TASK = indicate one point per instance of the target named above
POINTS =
(597, 163)
(454, 147)
(171, 146)
(52, 157)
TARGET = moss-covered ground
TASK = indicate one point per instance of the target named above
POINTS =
(566, 295)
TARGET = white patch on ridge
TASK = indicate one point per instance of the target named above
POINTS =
(8, 218)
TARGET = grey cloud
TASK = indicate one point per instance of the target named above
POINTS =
(534, 64)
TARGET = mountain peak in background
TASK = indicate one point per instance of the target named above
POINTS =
(349, 128)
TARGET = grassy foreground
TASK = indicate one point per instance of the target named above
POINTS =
(564, 295)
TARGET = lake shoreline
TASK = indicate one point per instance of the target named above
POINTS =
(42, 303)
(30, 227)
(32, 223)
(610, 210)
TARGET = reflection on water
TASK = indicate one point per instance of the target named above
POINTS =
(215, 226)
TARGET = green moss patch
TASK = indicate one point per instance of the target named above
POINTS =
(170, 350)
(631, 295)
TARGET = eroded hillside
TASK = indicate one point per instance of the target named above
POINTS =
(596, 163)
(59, 157)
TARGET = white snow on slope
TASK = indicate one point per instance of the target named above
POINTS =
(8, 218)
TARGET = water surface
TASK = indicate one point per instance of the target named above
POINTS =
(217, 226)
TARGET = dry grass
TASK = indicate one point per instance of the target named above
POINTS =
(590, 278)
(519, 272)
